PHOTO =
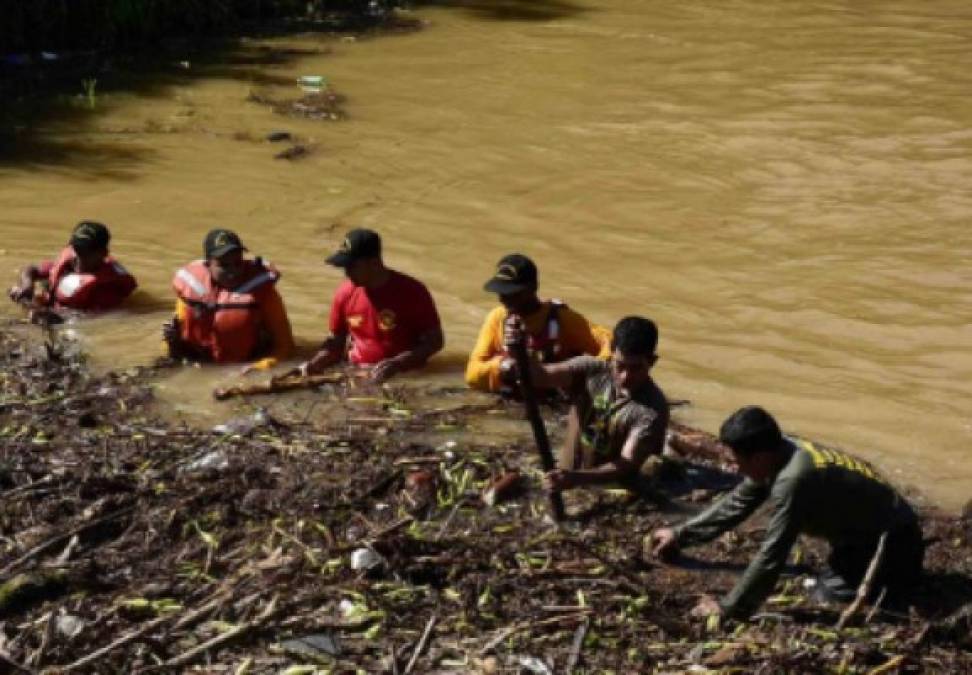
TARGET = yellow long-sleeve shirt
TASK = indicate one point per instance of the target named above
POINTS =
(275, 320)
(576, 336)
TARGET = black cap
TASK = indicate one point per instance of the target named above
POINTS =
(514, 273)
(89, 235)
(220, 242)
(358, 244)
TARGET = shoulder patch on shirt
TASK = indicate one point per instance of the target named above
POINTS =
(387, 319)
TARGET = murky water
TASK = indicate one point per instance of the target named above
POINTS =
(783, 186)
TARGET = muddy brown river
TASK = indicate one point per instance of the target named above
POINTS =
(784, 187)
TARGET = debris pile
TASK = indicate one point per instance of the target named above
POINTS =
(130, 544)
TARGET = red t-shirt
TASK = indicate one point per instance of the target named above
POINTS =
(383, 322)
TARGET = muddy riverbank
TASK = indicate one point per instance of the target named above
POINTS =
(361, 541)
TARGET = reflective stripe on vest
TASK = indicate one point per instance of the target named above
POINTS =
(70, 283)
(197, 286)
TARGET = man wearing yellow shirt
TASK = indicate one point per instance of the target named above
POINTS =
(228, 309)
(554, 331)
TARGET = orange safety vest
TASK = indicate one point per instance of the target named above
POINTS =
(75, 290)
(226, 323)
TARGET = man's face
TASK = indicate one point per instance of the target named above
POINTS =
(90, 260)
(227, 269)
(517, 303)
(631, 372)
(758, 466)
(358, 271)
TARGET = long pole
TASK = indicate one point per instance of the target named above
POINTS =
(536, 423)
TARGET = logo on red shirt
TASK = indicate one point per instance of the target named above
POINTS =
(386, 320)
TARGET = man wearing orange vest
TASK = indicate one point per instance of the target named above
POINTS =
(554, 332)
(389, 318)
(83, 277)
(228, 309)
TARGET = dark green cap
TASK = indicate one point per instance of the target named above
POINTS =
(89, 235)
(220, 242)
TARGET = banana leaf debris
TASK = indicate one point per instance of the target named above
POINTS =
(389, 539)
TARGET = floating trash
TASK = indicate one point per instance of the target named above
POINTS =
(312, 83)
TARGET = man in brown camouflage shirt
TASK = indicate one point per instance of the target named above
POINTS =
(619, 415)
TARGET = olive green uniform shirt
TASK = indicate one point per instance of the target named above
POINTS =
(820, 492)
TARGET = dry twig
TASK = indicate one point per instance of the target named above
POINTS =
(420, 647)
(865, 588)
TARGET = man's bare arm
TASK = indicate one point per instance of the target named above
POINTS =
(429, 343)
(330, 353)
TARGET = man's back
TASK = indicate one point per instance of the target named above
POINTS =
(838, 497)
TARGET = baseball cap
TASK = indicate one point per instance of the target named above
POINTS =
(89, 235)
(359, 243)
(220, 242)
(514, 273)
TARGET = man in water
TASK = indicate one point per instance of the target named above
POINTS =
(380, 318)
(83, 277)
(813, 490)
(554, 331)
(228, 309)
(619, 415)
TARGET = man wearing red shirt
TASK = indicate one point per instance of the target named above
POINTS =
(389, 317)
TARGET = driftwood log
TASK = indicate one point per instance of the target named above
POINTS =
(278, 385)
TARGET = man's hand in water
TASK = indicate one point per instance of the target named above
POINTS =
(385, 370)
(21, 293)
(171, 332)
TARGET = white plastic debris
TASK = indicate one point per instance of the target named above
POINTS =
(534, 665)
(364, 559)
(211, 461)
(69, 625)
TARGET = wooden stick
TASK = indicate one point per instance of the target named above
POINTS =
(865, 588)
(521, 625)
(40, 548)
(222, 638)
(139, 632)
(576, 645)
(536, 423)
(120, 642)
(277, 385)
(876, 606)
(420, 647)
(6, 658)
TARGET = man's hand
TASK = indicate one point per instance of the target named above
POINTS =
(558, 480)
(171, 332)
(21, 293)
(513, 333)
(385, 370)
(508, 374)
(706, 607)
(664, 543)
(320, 362)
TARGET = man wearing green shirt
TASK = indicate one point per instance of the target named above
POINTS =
(813, 490)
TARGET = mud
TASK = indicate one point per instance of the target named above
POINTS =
(151, 546)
